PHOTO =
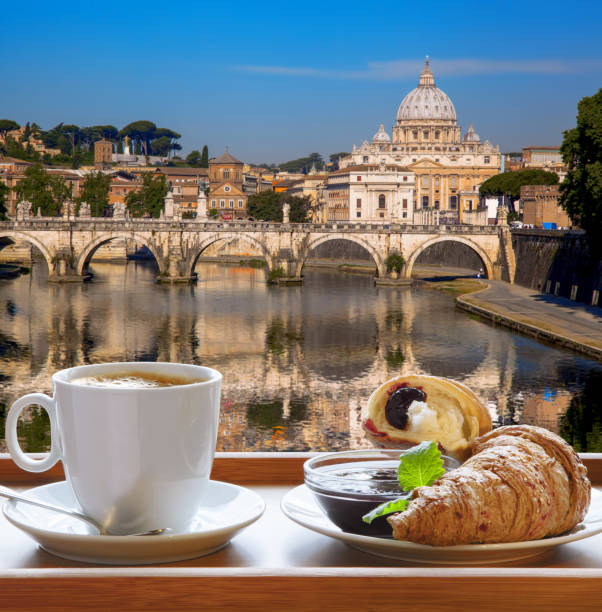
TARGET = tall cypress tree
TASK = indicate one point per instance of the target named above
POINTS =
(205, 157)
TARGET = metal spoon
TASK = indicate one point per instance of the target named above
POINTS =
(10, 494)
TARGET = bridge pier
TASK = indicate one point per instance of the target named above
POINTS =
(169, 279)
(284, 269)
(392, 278)
(63, 268)
(174, 264)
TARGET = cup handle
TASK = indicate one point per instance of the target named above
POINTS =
(12, 441)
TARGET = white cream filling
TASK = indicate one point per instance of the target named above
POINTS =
(445, 426)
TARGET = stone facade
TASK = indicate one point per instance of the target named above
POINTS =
(377, 193)
(103, 154)
(12, 170)
(226, 191)
(541, 205)
(427, 140)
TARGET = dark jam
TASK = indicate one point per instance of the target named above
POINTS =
(400, 399)
(345, 503)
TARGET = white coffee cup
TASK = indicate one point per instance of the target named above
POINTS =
(137, 458)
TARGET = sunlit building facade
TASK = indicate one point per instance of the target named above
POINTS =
(427, 140)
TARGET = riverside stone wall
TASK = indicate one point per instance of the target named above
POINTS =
(557, 263)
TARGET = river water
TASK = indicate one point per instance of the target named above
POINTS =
(298, 362)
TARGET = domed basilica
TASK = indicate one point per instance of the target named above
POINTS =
(427, 141)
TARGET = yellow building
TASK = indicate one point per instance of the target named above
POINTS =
(427, 140)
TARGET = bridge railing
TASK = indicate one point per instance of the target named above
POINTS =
(128, 224)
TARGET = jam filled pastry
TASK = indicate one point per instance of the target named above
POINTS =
(521, 483)
(411, 409)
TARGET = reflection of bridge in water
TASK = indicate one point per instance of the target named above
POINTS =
(270, 356)
(68, 244)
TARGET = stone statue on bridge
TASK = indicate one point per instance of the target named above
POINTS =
(173, 209)
(502, 215)
(84, 210)
(201, 207)
(23, 210)
(286, 209)
(68, 210)
(119, 209)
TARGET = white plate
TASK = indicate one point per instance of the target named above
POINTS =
(229, 509)
(300, 506)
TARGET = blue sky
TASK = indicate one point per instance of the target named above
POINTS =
(276, 81)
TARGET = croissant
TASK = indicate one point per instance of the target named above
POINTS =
(521, 483)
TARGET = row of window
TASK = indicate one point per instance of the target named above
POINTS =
(381, 202)
(226, 174)
(381, 215)
(222, 204)
(453, 203)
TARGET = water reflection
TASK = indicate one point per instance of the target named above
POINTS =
(299, 363)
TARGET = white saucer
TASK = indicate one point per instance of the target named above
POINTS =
(229, 509)
(300, 506)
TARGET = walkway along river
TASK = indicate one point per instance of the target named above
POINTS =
(299, 362)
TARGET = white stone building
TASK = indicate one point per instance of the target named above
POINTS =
(382, 193)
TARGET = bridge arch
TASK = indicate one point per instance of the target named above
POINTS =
(88, 251)
(14, 236)
(217, 237)
(411, 260)
(322, 238)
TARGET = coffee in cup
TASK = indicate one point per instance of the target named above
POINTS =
(138, 456)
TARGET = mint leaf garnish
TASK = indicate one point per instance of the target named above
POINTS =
(396, 505)
(420, 466)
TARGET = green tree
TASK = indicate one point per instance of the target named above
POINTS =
(61, 190)
(161, 146)
(46, 192)
(26, 133)
(71, 132)
(4, 191)
(336, 157)
(106, 132)
(194, 158)
(95, 191)
(303, 164)
(148, 200)
(171, 136)
(6, 126)
(205, 157)
(581, 190)
(267, 206)
(141, 132)
(509, 183)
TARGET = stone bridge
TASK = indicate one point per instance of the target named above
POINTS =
(68, 244)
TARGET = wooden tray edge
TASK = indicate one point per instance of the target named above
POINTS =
(239, 468)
